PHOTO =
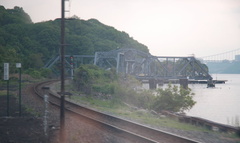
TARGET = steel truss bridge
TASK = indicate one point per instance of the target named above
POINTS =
(140, 64)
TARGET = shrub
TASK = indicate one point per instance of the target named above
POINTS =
(173, 99)
(90, 78)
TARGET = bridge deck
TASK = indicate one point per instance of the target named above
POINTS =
(190, 81)
(205, 81)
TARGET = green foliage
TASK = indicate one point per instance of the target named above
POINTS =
(47, 73)
(124, 89)
(173, 99)
(35, 61)
(8, 56)
(16, 15)
(34, 44)
(93, 80)
(104, 88)
(39, 73)
(90, 78)
(145, 99)
(33, 73)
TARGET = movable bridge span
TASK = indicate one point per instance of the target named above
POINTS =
(142, 65)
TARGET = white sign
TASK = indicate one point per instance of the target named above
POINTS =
(18, 65)
(6, 71)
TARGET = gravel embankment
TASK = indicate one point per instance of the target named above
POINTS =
(30, 128)
(204, 137)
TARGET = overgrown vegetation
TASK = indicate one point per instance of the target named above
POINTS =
(90, 78)
(34, 44)
(118, 89)
(173, 99)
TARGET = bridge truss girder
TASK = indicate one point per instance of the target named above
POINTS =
(54, 63)
(176, 68)
(140, 64)
(124, 60)
(145, 66)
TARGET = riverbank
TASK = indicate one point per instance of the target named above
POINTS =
(150, 118)
(25, 128)
(159, 121)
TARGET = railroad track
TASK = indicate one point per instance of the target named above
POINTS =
(132, 131)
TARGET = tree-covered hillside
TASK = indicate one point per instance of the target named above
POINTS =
(33, 44)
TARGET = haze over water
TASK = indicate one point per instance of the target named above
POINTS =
(220, 104)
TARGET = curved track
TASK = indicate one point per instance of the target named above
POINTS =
(132, 131)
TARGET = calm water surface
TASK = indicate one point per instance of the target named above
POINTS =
(220, 104)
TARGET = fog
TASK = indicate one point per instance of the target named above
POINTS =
(167, 27)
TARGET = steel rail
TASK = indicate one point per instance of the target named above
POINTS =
(122, 127)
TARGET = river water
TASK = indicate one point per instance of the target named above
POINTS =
(220, 104)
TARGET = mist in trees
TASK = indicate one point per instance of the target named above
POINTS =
(34, 44)
(93, 81)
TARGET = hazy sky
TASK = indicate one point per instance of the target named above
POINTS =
(167, 27)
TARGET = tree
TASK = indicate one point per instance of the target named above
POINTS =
(34, 44)
(8, 55)
(173, 99)
(35, 61)
(90, 78)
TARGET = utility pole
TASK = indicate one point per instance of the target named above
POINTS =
(6, 77)
(19, 66)
(62, 92)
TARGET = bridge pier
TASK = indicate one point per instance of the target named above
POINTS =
(152, 84)
(184, 82)
(210, 83)
(160, 82)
